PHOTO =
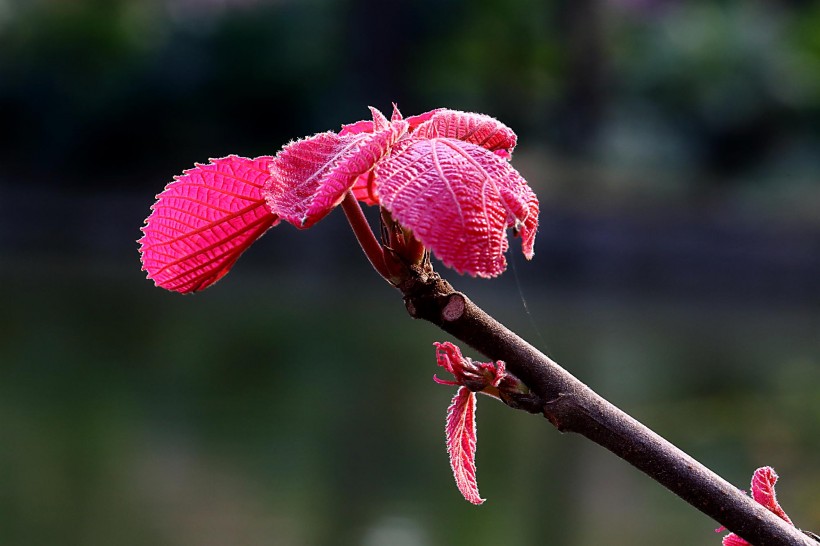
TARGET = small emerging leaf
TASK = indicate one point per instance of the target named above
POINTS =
(203, 221)
(476, 376)
(763, 481)
(416, 121)
(461, 443)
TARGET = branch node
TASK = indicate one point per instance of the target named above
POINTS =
(571, 406)
(552, 411)
(529, 402)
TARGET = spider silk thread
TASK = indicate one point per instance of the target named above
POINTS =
(513, 259)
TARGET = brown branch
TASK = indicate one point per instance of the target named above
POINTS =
(573, 407)
(564, 400)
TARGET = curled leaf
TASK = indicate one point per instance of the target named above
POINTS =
(415, 121)
(449, 357)
(203, 221)
(461, 443)
(763, 481)
(479, 129)
(310, 176)
(458, 199)
(364, 126)
(476, 376)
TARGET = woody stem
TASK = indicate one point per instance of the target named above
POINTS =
(367, 239)
(573, 407)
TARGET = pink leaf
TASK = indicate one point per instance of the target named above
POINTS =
(363, 188)
(458, 199)
(203, 221)
(380, 123)
(449, 356)
(377, 123)
(479, 129)
(416, 121)
(476, 376)
(763, 481)
(364, 126)
(412, 121)
(461, 443)
(396, 113)
(310, 176)
(733, 540)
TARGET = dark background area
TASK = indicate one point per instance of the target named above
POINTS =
(675, 149)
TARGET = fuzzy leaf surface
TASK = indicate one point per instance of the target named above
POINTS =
(478, 129)
(763, 481)
(461, 443)
(310, 176)
(458, 199)
(364, 189)
(204, 220)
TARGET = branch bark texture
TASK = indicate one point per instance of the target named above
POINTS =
(573, 407)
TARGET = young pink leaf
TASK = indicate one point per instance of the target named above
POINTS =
(380, 123)
(479, 129)
(458, 199)
(203, 221)
(449, 357)
(310, 176)
(763, 481)
(368, 126)
(415, 121)
(363, 189)
(476, 376)
(461, 443)
(364, 126)
(396, 113)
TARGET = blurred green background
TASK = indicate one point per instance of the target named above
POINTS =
(675, 147)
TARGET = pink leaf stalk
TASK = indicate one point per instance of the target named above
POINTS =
(763, 482)
(204, 220)
(461, 443)
(443, 175)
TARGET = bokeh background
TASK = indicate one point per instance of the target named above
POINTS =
(675, 147)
